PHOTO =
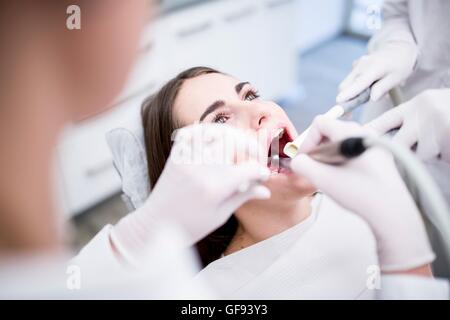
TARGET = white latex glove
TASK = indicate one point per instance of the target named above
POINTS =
(424, 120)
(370, 186)
(389, 66)
(200, 188)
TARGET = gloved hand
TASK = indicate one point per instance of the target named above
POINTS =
(212, 170)
(371, 187)
(389, 66)
(424, 120)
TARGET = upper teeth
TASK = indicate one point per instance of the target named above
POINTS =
(279, 133)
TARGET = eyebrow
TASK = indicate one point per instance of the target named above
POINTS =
(239, 87)
(216, 105)
(220, 103)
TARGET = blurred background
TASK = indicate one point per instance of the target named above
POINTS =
(296, 52)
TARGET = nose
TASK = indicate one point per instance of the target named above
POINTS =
(259, 115)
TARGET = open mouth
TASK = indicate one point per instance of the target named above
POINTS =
(280, 138)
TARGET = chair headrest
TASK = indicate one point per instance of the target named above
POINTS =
(130, 161)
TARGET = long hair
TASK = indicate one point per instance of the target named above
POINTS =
(159, 123)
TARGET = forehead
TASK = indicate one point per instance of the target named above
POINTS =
(199, 93)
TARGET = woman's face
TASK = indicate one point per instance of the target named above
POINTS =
(218, 98)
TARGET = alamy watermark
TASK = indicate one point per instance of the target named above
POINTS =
(373, 281)
(73, 281)
(218, 145)
(374, 17)
(73, 21)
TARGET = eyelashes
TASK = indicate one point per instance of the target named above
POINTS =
(223, 117)
(251, 95)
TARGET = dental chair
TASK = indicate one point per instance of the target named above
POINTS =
(130, 160)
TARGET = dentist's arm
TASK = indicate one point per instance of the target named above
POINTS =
(371, 187)
(424, 120)
(190, 200)
(392, 56)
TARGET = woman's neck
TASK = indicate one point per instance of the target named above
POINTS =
(260, 220)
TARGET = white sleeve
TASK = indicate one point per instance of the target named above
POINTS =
(167, 269)
(396, 25)
(402, 287)
(98, 256)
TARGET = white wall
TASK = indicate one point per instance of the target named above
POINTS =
(320, 20)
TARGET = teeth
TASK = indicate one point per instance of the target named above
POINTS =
(279, 133)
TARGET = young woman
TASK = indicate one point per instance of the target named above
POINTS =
(294, 245)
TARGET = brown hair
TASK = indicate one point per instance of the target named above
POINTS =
(159, 122)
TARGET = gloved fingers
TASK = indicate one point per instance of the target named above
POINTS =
(427, 142)
(215, 144)
(427, 150)
(321, 175)
(432, 115)
(257, 191)
(239, 178)
(363, 77)
(239, 146)
(237, 199)
(383, 86)
(391, 119)
(357, 71)
(406, 136)
(246, 148)
(349, 79)
(324, 128)
(314, 136)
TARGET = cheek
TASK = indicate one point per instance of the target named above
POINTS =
(280, 114)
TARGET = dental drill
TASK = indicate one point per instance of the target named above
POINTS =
(336, 112)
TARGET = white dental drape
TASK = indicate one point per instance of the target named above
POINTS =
(327, 256)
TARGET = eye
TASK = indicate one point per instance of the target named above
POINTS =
(221, 118)
(251, 95)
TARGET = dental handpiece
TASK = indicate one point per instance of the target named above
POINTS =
(334, 153)
(336, 112)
